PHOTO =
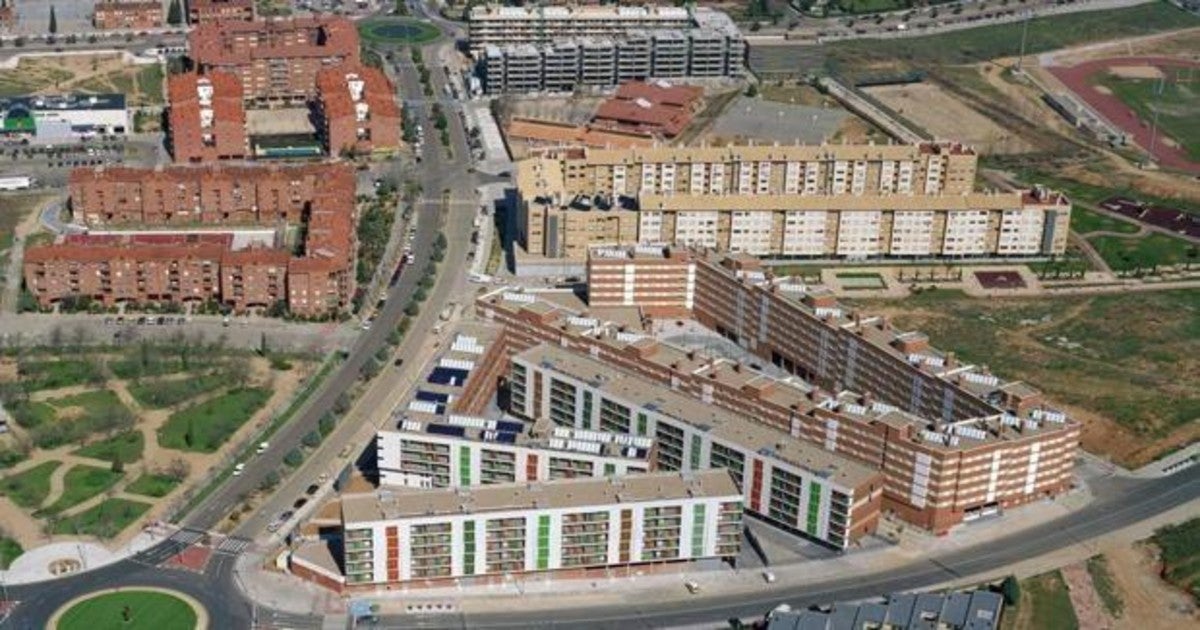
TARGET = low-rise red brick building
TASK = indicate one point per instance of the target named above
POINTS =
(198, 267)
(127, 14)
(275, 59)
(8, 14)
(357, 108)
(206, 116)
(653, 107)
(208, 11)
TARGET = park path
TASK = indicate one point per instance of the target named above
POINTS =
(16, 254)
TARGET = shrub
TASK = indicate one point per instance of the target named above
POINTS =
(1011, 589)
(326, 423)
(312, 439)
(294, 458)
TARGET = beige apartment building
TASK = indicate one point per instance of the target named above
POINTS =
(851, 201)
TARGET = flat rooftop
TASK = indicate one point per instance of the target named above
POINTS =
(720, 423)
(560, 494)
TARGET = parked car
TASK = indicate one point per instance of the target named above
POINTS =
(237, 470)
(312, 489)
(262, 447)
(301, 502)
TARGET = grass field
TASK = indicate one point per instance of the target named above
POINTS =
(1145, 253)
(856, 7)
(80, 484)
(162, 393)
(13, 208)
(80, 415)
(104, 520)
(1180, 545)
(1044, 604)
(39, 375)
(1125, 357)
(128, 445)
(1102, 580)
(29, 488)
(988, 42)
(399, 31)
(1176, 102)
(9, 550)
(152, 485)
(206, 426)
(149, 610)
(1084, 221)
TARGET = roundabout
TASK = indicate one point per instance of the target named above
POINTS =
(134, 608)
(398, 31)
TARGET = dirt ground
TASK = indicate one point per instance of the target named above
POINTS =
(1149, 601)
(87, 73)
(946, 117)
(1172, 43)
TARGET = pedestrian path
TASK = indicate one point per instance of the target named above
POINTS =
(234, 545)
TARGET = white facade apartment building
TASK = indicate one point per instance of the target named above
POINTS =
(496, 24)
(462, 451)
(575, 525)
(790, 483)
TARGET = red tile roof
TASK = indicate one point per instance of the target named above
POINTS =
(661, 93)
(241, 42)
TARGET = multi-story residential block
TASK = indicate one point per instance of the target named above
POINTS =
(8, 14)
(569, 526)
(206, 117)
(318, 282)
(844, 201)
(127, 14)
(357, 109)
(556, 49)
(206, 11)
(953, 441)
(790, 483)
(653, 277)
(460, 451)
(275, 59)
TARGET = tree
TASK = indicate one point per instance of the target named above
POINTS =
(412, 309)
(118, 466)
(270, 480)
(1011, 590)
(178, 469)
(326, 423)
(189, 436)
(53, 21)
(293, 458)
(262, 344)
(175, 14)
(312, 439)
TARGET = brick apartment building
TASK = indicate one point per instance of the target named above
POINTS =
(277, 59)
(207, 11)
(953, 442)
(357, 109)
(8, 14)
(206, 117)
(198, 267)
(650, 107)
(653, 278)
(127, 14)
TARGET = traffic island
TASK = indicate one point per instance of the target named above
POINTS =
(141, 608)
(398, 31)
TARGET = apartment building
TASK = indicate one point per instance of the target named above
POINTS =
(206, 11)
(8, 14)
(556, 49)
(207, 121)
(847, 201)
(357, 110)
(461, 451)
(569, 526)
(127, 14)
(316, 283)
(953, 441)
(786, 481)
(276, 59)
(655, 278)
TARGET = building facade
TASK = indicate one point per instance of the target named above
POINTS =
(557, 49)
(786, 481)
(127, 14)
(8, 14)
(462, 451)
(61, 118)
(953, 441)
(571, 526)
(357, 109)
(115, 269)
(207, 121)
(277, 59)
(653, 277)
(799, 201)
(207, 11)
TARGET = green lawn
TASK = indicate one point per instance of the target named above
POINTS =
(29, 488)
(12, 210)
(152, 485)
(80, 484)
(1155, 249)
(147, 359)
(31, 414)
(9, 550)
(1084, 221)
(149, 610)
(150, 84)
(91, 412)
(127, 445)
(1176, 104)
(396, 30)
(206, 426)
(869, 6)
(988, 42)
(39, 375)
(1052, 608)
(162, 393)
(104, 520)
(1180, 545)
(1102, 579)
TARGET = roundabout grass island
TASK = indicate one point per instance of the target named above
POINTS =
(398, 31)
(131, 609)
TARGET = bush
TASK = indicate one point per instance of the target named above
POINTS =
(312, 439)
(269, 481)
(294, 458)
(326, 423)
(342, 404)
(412, 310)
(1011, 589)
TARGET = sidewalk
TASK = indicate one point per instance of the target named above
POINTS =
(35, 564)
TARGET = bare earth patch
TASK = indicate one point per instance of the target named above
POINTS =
(1136, 72)
(1149, 602)
(944, 116)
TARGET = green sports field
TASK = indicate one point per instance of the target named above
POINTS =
(148, 610)
(1175, 98)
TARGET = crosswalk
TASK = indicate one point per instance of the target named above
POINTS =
(233, 545)
(174, 544)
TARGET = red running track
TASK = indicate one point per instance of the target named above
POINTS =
(1077, 78)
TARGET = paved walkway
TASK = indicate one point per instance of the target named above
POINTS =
(34, 564)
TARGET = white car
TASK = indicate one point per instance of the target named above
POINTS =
(262, 447)
(237, 470)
